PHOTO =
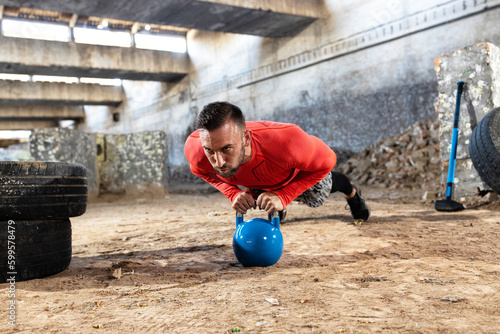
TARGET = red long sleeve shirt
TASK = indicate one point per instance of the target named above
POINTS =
(285, 160)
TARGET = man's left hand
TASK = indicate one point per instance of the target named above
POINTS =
(269, 202)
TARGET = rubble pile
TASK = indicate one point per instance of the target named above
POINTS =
(409, 160)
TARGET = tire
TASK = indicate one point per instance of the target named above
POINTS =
(42, 190)
(39, 248)
(484, 149)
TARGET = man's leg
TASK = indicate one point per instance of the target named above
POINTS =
(317, 194)
(333, 182)
(359, 209)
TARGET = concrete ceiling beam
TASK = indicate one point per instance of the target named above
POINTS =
(41, 93)
(41, 113)
(9, 125)
(266, 18)
(311, 8)
(30, 56)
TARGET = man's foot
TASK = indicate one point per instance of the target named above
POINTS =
(359, 209)
(282, 215)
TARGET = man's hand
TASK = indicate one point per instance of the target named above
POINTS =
(243, 201)
(269, 202)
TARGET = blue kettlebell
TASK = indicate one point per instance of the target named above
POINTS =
(258, 242)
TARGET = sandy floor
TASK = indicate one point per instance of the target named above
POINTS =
(167, 266)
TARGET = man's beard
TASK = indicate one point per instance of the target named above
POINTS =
(233, 170)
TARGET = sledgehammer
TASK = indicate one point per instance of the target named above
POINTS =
(448, 204)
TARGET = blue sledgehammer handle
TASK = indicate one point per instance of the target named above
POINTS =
(454, 139)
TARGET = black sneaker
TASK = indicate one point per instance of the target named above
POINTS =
(359, 209)
(281, 214)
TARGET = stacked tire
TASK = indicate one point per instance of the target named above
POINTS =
(36, 201)
(484, 149)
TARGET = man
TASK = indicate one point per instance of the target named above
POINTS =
(276, 162)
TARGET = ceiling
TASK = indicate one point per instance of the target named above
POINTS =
(36, 57)
(191, 14)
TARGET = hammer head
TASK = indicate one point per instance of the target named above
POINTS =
(448, 205)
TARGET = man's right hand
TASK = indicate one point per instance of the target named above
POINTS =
(243, 201)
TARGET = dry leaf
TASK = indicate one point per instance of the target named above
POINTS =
(273, 301)
(117, 273)
(358, 222)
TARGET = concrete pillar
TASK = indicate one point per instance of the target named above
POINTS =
(478, 66)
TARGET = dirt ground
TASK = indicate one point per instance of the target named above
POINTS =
(167, 266)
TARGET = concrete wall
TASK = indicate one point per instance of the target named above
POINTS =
(134, 163)
(61, 144)
(16, 152)
(478, 67)
(362, 72)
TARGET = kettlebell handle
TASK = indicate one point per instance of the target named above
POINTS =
(239, 218)
(275, 219)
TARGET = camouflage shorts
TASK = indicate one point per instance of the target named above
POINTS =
(314, 196)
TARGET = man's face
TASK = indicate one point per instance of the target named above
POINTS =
(225, 148)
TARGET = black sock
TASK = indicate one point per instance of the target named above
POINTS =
(341, 183)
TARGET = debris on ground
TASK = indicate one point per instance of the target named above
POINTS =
(408, 160)
(452, 299)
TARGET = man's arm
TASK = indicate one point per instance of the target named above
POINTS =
(311, 156)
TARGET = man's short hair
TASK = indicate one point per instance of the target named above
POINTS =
(215, 114)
